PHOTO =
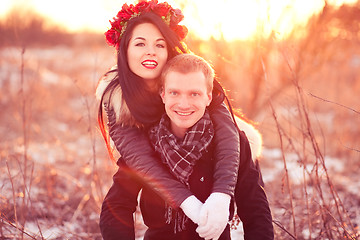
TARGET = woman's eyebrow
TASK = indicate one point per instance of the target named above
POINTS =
(142, 38)
(139, 38)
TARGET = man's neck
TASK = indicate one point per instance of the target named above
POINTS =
(179, 133)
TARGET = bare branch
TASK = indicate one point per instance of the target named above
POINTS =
(341, 105)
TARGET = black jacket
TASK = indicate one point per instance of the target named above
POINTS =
(153, 206)
(116, 221)
(250, 197)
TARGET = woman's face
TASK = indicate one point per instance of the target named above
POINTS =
(147, 52)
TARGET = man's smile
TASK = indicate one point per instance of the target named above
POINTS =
(184, 113)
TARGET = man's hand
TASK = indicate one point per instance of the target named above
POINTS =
(191, 207)
(214, 216)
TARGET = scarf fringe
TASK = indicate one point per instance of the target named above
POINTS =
(180, 219)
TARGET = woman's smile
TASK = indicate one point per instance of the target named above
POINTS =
(150, 64)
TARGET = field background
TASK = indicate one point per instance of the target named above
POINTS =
(302, 93)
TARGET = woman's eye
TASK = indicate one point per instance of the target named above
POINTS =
(161, 45)
(139, 44)
(195, 94)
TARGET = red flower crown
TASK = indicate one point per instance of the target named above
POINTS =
(171, 17)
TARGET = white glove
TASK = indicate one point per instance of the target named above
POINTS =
(191, 207)
(214, 216)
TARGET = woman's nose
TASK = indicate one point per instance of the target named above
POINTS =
(150, 50)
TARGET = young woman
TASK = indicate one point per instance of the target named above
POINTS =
(146, 36)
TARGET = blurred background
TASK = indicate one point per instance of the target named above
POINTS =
(291, 67)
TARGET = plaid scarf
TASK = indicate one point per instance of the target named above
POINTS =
(180, 155)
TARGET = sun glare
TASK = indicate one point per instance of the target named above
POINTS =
(234, 19)
(74, 15)
(226, 19)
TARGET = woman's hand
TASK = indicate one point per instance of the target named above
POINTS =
(214, 216)
(191, 206)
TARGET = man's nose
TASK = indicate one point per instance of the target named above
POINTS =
(184, 102)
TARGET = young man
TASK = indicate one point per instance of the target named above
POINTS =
(184, 141)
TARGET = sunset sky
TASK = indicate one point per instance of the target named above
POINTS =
(234, 19)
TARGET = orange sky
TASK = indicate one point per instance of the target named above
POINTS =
(232, 19)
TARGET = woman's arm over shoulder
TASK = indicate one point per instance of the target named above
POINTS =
(226, 153)
(134, 147)
(227, 147)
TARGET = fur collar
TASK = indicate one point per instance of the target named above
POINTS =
(253, 135)
(115, 102)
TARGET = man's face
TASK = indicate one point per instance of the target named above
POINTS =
(185, 97)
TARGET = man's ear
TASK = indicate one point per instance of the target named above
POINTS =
(162, 93)
(209, 98)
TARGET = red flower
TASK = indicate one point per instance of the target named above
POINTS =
(111, 37)
(176, 17)
(142, 6)
(116, 24)
(126, 12)
(162, 9)
(181, 31)
(171, 17)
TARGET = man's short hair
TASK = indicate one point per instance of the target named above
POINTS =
(187, 63)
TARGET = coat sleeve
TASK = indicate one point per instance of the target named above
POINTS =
(226, 151)
(252, 204)
(119, 205)
(138, 154)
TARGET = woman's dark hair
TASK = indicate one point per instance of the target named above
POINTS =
(145, 106)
